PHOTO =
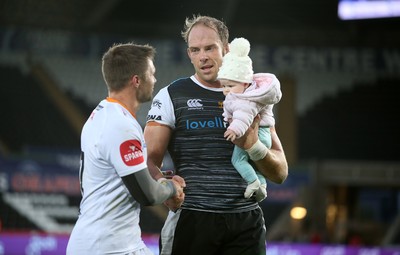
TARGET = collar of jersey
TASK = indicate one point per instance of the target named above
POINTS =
(112, 100)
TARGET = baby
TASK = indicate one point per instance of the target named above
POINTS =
(247, 95)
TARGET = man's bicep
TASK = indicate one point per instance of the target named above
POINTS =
(157, 138)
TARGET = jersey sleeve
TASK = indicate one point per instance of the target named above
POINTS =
(125, 148)
(162, 110)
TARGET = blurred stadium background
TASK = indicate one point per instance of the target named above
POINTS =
(338, 119)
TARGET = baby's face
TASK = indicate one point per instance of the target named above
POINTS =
(230, 86)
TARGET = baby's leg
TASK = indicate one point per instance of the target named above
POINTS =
(240, 161)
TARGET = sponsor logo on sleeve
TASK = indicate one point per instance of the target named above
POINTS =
(157, 103)
(153, 117)
(131, 152)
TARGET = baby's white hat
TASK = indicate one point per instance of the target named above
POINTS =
(236, 64)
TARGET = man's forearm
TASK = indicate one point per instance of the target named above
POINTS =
(146, 190)
(154, 170)
(273, 166)
(269, 162)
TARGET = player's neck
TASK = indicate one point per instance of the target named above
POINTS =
(209, 84)
(125, 101)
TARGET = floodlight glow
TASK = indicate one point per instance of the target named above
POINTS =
(362, 9)
(298, 212)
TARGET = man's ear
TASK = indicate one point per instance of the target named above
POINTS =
(188, 53)
(135, 81)
(226, 48)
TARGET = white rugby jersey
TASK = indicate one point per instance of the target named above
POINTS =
(113, 146)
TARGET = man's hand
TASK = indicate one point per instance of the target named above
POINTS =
(175, 202)
(250, 137)
(273, 165)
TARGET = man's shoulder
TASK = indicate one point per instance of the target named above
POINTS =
(182, 86)
(180, 82)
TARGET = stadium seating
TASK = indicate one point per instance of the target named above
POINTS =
(49, 212)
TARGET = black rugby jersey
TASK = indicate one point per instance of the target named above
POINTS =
(200, 153)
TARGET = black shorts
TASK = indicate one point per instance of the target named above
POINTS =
(200, 233)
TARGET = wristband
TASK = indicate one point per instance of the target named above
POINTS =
(257, 151)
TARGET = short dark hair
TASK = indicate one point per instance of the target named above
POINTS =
(122, 61)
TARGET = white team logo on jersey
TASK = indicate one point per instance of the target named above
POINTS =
(157, 103)
(194, 104)
(131, 152)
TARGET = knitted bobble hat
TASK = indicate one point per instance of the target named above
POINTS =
(236, 64)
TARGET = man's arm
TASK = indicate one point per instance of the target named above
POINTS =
(157, 138)
(147, 191)
(274, 165)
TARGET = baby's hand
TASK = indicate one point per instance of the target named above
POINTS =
(230, 135)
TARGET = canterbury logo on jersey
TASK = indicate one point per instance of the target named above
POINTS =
(217, 122)
(131, 152)
(194, 104)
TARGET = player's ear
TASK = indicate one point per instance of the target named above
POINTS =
(135, 80)
(188, 52)
(225, 49)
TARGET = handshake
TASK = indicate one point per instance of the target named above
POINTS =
(175, 202)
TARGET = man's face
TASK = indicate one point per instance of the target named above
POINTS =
(145, 91)
(205, 51)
